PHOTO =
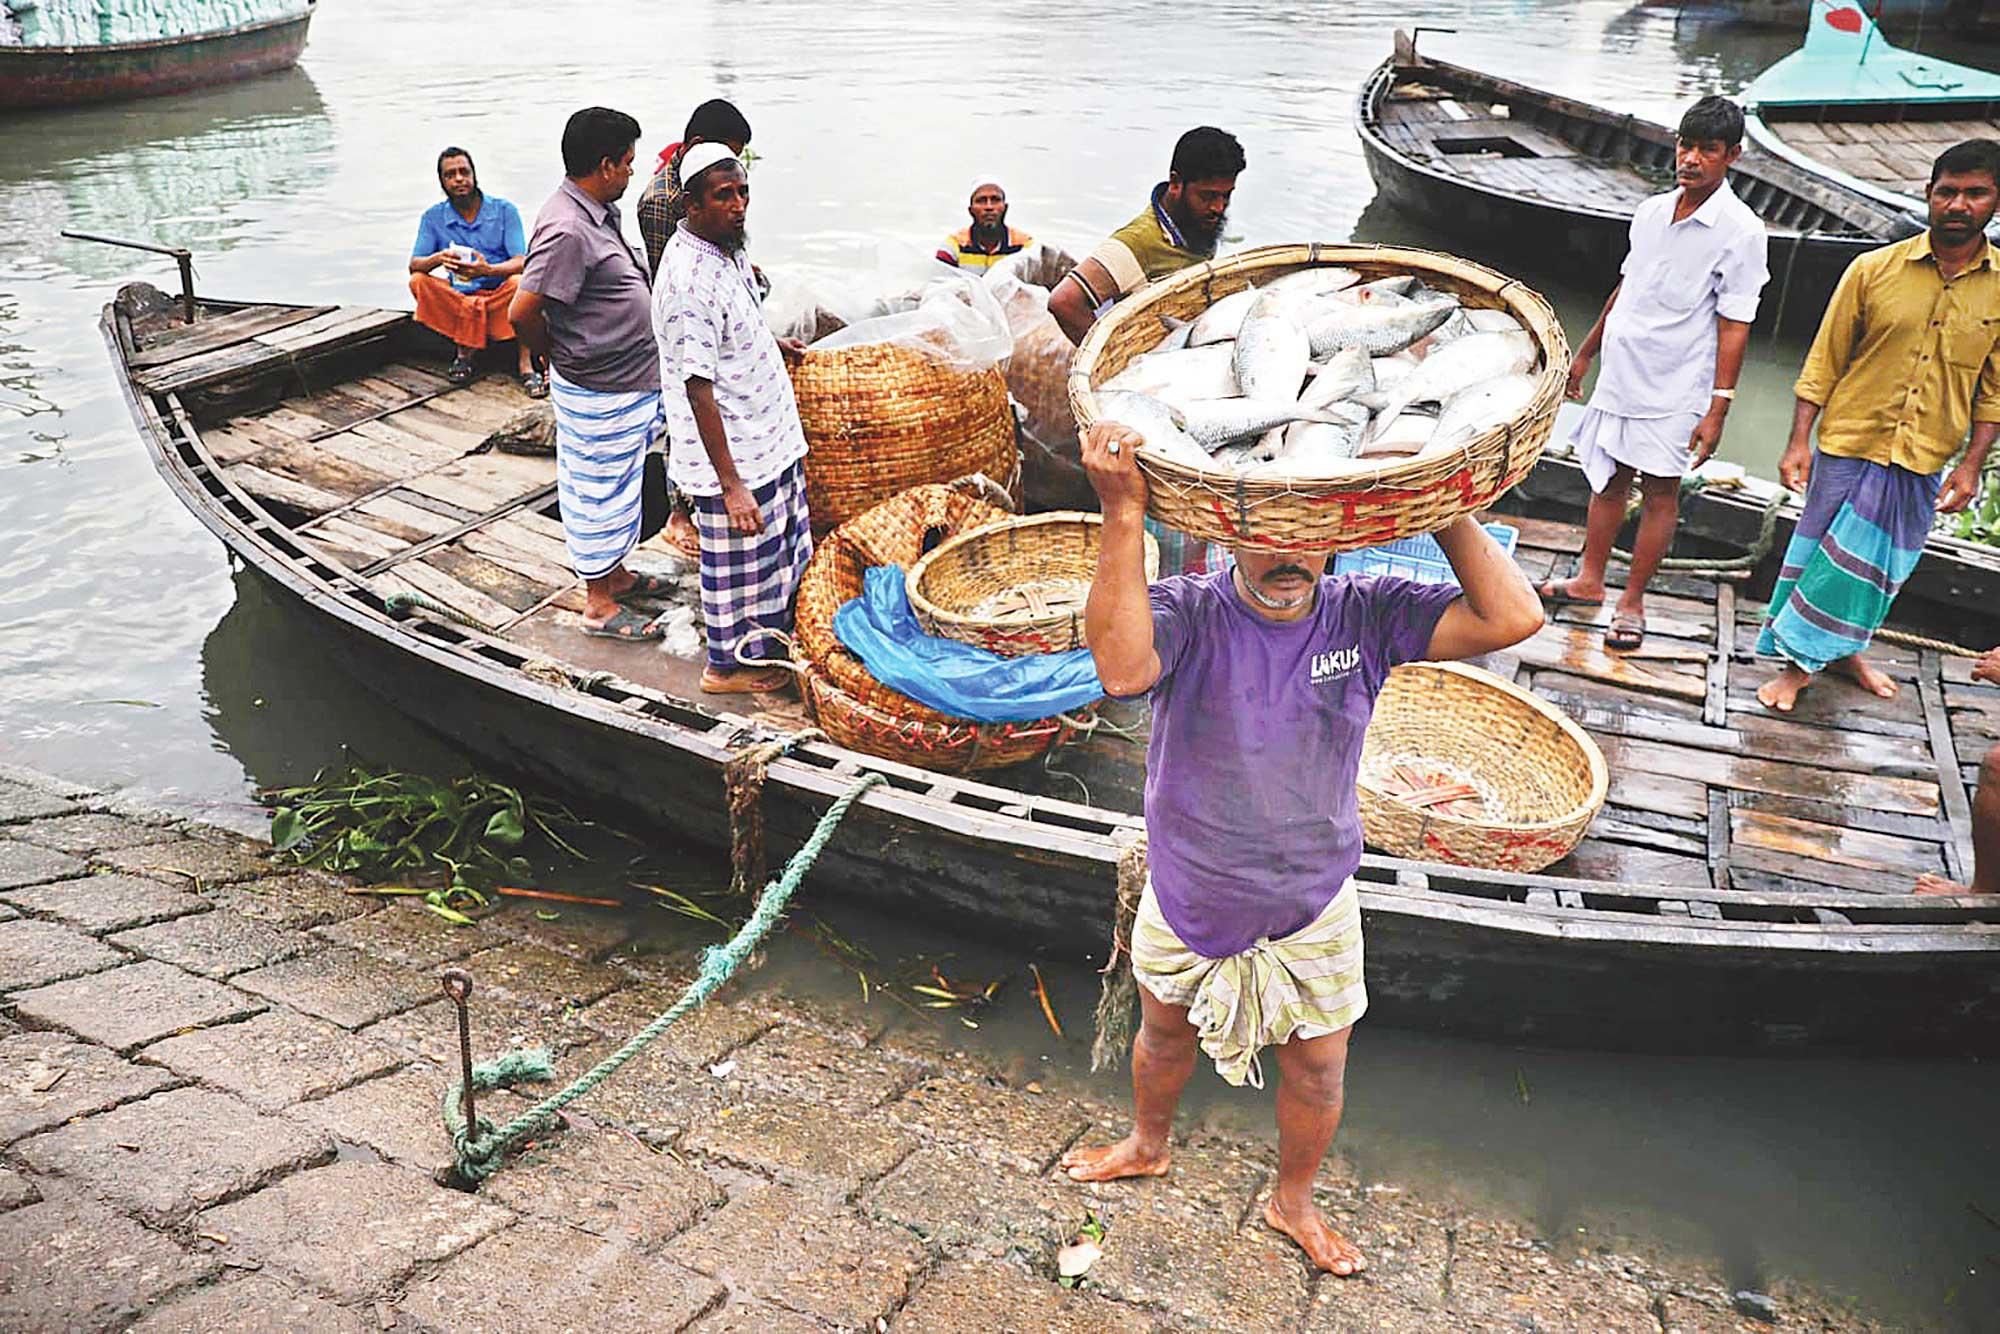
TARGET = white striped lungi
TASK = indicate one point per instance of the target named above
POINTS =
(1304, 985)
(601, 443)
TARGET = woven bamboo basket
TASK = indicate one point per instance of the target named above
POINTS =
(1400, 497)
(855, 709)
(882, 418)
(1544, 778)
(1040, 567)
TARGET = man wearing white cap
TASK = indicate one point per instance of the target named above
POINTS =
(989, 238)
(738, 449)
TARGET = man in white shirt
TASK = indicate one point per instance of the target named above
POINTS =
(1673, 334)
(738, 449)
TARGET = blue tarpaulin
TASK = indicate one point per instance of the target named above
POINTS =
(953, 677)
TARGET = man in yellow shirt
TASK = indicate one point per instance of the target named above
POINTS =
(1907, 360)
(989, 239)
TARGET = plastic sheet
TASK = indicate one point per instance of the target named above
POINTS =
(1038, 379)
(955, 677)
(796, 308)
(955, 319)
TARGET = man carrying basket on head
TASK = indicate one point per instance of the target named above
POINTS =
(1263, 678)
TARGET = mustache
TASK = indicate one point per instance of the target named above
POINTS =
(1281, 571)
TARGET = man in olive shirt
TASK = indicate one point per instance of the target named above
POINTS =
(585, 305)
(1907, 360)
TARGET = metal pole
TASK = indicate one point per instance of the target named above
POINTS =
(181, 256)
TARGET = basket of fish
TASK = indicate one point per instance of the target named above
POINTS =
(1462, 767)
(1015, 587)
(1314, 398)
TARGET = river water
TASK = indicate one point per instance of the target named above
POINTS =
(131, 655)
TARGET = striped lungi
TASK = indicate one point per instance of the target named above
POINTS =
(747, 582)
(601, 442)
(1304, 985)
(1858, 539)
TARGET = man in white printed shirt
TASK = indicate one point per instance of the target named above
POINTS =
(1673, 333)
(737, 445)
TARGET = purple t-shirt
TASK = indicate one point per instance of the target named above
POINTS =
(1251, 818)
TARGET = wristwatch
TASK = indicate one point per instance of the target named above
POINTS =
(1725, 393)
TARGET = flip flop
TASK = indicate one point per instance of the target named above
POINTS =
(460, 371)
(626, 625)
(536, 384)
(1626, 635)
(646, 586)
(1550, 594)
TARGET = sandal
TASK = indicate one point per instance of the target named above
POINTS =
(460, 371)
(646, 586)
(767, 681)
(1626, 634)
(1555, 593)
(536, 384)
(627, 625)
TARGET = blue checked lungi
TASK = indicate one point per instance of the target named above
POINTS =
(601, 443)
(747, 583)
(1858, 538)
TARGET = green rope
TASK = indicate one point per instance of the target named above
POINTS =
(480, 1149)
(400, 605)
(1767, 534)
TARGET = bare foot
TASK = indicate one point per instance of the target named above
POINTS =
(680, 534)
(1937, 884)
(744, 681)
(1323, 1246)
(1781, 692)
(1111, 1162)
(1867, 675)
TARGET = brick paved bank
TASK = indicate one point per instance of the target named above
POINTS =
(218, 1110)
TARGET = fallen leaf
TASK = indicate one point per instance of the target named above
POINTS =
(1075, 1259)
(219, 1238)
(722, 1069)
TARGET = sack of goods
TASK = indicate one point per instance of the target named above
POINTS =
(1321, 398)
(1038, 378)
(98, 22)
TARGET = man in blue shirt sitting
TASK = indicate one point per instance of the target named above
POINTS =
(464, 268)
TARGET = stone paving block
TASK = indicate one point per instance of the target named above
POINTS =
(128, 1007)
(253, 1303)
(406, 934)
(797, 1064)
(16, 1190)
(543, 976)
(1211, 1187)
(1500, 1275)
(169, 1155)
(1249, 1279)
(754, 1317)
(8, 914)
(33, 954)
(190, 862)
(27, 864)
(396, 1117)
(701, 1038)
(214, 944)
(352, 1229)
(275, 1059)
(584, 933)
(806, 1255)
(542, 1276)
(102, 903)
(657, 1097)
(1403, 1287)
(607, 1184)
(794, 1142)
(20, 802)
(1025, 1132)
(499, 1024)
(85, 834)
(346, 986)
(990, 1296)
(47, 1078)
(70, 1264)
(950, 1199)
(299, 899)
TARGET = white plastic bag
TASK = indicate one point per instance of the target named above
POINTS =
(956, 320)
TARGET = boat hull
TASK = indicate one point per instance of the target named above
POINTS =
(56, 76)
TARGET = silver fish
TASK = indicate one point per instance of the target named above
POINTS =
(1347, 372)
(1376, 329)
(1190, 372)
(1160, 426)
(1407, 434)
(1219, 323)
(1225, 421)
(1460, 365)
(1398, 284)
(1492, 321)
(1177, 334)
(1271, 351)
(1481, 407)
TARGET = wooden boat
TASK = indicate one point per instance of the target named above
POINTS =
(1556, 180)
(1861, 113)
(1742, 890)
(1961, 17)
(54, 76)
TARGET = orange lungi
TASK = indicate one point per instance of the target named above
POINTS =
(470, 319)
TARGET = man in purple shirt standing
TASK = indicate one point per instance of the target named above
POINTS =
(1263, 678)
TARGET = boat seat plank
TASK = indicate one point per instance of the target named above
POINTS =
(1814, 872)
(482, 482)
(237, 440)
(284, 492)
(442, 587)
(1857, 848)
(187, 340)
(1660, 623)
(327, 469)
(434, 428)
(1582, 653)
(346, 324)
(323, 332)
(359, 538)
(1910, 796)
(1609, 827)
(1601, 859)
(504, 534)
(396, 516)
(206, 368)
(422, 450)
(1662, 794)
(517, 591)
(1563, 688)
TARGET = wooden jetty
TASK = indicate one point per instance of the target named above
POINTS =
(1557, 179)
(56, 76)
(1744, 889)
